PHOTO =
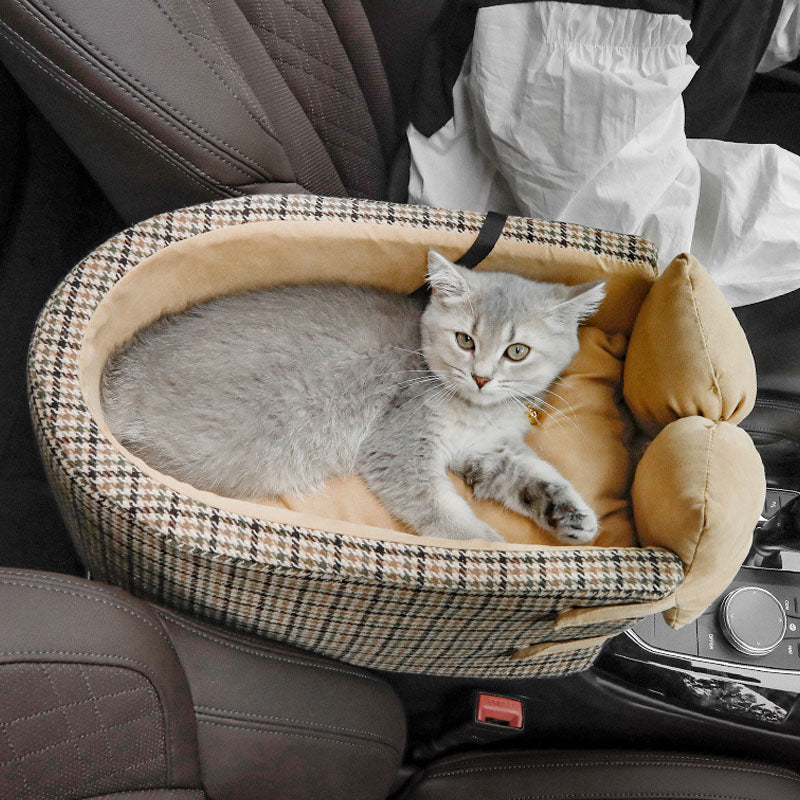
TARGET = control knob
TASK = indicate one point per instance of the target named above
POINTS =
(753, 620)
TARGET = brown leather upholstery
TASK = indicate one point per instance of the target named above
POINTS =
(173, 102)
(276, 722)
(96, 705)
(94, 699)
(98, 692)
(606, 775)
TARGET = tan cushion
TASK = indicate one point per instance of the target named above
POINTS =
(698, 491)
(687, 354)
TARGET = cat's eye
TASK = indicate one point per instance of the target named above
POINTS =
(465, 341)
(517, 351)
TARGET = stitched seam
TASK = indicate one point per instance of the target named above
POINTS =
(97, 714)
(289, 730)
(779, 405)
(345, 148)
(73, 738)
(773, 431)
(706, 349)
(86, 596)
(178, 793)
(648, 760)
(704, 521)
(272, 732)
(143, 670)
(332, 125)
(18, 762)
(616, 795)
(78, 738)
(318, 59)
(262, 123)
(303, 14)
(246, 717)
(311, 112)
(187, 133)
(104, 108)
(260, 654)
(212, 137)
(75, 704)
(128, 126)
(689, 762)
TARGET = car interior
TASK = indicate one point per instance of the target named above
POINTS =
(115, 113)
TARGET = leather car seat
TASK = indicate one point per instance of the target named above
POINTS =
(602, 775)
(105, 696)
(170, 103)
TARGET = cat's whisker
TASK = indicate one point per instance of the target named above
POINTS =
(408, 384)
(557, 413)
(517, 402)
(406, 350)
(424, 396)
(562, 399)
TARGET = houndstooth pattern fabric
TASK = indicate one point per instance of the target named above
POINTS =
(379, 604)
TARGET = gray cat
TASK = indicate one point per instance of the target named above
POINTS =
(275, 391)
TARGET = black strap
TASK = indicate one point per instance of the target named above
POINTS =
(490, 232)
(484, 243)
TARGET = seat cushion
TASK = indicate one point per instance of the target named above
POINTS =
(688, 354)
(602, 774)
(94, 698)
(273, 721)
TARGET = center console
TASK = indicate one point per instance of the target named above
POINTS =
(741, 659)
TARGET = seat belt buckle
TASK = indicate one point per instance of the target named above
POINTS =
(493, 709)
(473, 720)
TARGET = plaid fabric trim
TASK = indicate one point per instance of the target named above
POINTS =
(379, 604)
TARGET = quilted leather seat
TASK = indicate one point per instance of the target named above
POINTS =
(174, 102)
(105, 696)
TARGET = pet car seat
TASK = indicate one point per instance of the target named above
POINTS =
(334, 573)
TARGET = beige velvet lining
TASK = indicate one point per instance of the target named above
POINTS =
(261, 254)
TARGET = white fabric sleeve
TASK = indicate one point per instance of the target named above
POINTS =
(747, 232)
(784, 45)
(579, 110)
(449, 169)
(575, 113)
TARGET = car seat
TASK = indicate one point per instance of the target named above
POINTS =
(106, 696)
(171, 103)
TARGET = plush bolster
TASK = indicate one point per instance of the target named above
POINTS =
(687, 354)
(698, 491)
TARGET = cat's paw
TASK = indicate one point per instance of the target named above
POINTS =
(572, 523)
(567, 515)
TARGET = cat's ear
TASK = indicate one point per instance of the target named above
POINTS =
(445, 279)
(581, 301)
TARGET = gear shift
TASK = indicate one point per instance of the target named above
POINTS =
(780, 532)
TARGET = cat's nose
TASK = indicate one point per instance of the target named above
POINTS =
(481, 381)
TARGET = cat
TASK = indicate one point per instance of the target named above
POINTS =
(274, 391)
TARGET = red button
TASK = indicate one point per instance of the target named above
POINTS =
(499, 710)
